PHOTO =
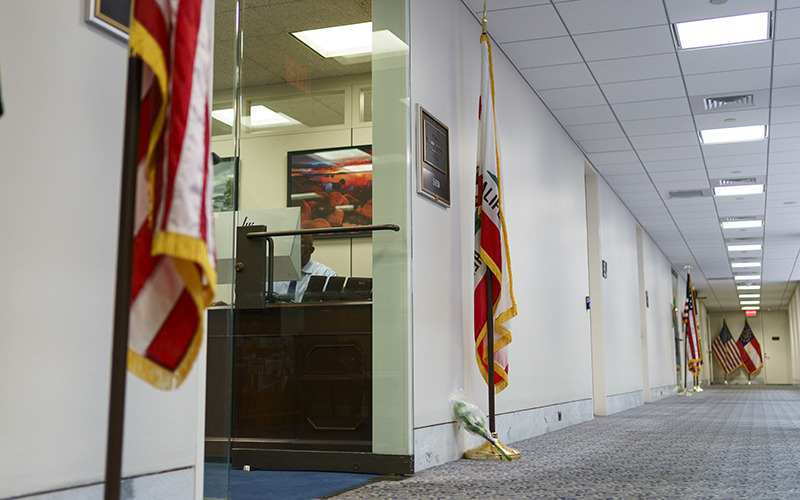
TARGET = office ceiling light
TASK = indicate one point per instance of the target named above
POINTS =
(723, 31)
(738, 190)
(748, 287)
(743, 248)
(745, 264)
(262, 116)
(750, 308)
(749, 302)
(223, 115)
(749, 295)
(745, 277)
(339, 41)
(741, 224)
(733, 134)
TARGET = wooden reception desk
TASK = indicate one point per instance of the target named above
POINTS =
(301, 378)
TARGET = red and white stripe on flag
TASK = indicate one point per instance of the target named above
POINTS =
(693, 357)
(491, 240)
(174, 265)
(726, 350)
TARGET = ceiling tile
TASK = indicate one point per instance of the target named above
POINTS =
(525, 23)
(778, 157)
(717, 59)
(683, 10)
(784, 130)
(655, 126)
(680, 153)
(590, 16)
(613, 158)
(728, 82)
(477, 5)
(788, 4)
(682, 185)
(789, 144)
(605, 145)
(596, 131)
(583, 116)
(734, 148)
(739, 118)
(785, 76)
(625, 43)
(793, 187)
(621, 169)
(555, 77)
(737, 161)
(643, 90)
(784, 168)
(664, 140)
(787, 51)
(545, 52)
(573, 97)
(618, 180)
(678, 175)
(790, 178)
(675, 165)
(731, 172)
(785, 114)
(658, 108)
(786, 96)
(636, 68)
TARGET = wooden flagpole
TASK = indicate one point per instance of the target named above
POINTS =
(122, 302)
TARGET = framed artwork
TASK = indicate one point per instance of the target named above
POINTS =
(226, 175)
(111, 16)
(433, 175)
(332, 187)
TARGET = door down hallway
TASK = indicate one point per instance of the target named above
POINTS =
(724, 443)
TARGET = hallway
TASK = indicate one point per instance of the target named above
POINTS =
(727, 442)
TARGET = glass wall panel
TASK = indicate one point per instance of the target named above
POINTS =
(296, 126)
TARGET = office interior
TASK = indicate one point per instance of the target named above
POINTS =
(386, 364)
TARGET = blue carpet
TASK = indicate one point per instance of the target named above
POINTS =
(277, 485)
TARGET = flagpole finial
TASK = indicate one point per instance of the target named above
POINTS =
(483, 21)
(688, 267)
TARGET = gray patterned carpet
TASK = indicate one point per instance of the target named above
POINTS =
(725, 443)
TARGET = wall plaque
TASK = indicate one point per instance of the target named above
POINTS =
(433, 179)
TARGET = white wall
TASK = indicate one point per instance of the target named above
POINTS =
(63, 87)
(621, 321)
(660, 335)
(543, 199)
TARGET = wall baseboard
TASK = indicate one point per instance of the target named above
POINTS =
(662, 392)
(169, 485)
(438, 444)
(622, 402)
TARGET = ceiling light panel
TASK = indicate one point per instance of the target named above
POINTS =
(723, 31)
(742, 224)
(750, 308)
(743, 248)
(748, 287)
(747, 277)
(339, 41)
(733, 134)
(745, 264)
(739, 190)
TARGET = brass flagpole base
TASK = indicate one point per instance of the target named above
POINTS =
(697, 388)
(487, 451)
(684, 392)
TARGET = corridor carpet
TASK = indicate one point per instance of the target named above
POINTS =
(724, 443)
(275, 485)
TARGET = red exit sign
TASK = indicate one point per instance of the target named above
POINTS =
(750, 312)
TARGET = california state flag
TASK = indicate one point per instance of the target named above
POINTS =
(174, 269)
(491, 242)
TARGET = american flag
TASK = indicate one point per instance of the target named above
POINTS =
(174, 265)
(693, 358)
(749, 349)
(726, 350)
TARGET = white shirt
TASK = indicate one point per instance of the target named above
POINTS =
(311, 268)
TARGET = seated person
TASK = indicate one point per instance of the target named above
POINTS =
(294, 290)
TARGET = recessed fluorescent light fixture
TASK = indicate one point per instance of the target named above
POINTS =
(745, 264)
(743, 248)
(339, 41)
(741, 224)
(747, 302)
(750, 308)
(748, 287)
(262, 116)
(733, 134)
(745, 277)
(223, 115)
(749, 295)
(723, 31)
(739, 190)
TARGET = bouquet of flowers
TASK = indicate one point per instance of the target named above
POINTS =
(471, 418)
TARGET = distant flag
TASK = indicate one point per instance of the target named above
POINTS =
(174, 268)
(491, 240)
(1, 99)
(726, 350)
(749, 349)
(693, 356)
